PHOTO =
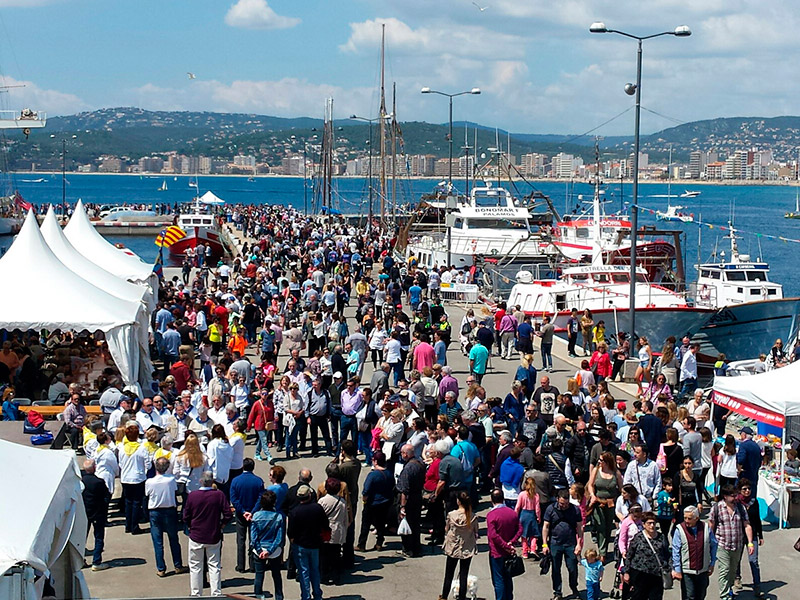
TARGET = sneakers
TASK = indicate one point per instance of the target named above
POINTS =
(257, 457)
(100, 567)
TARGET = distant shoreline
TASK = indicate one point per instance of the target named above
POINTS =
(687, 184)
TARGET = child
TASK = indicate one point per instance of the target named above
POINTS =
(528, 510)
(665, 507)
(792, 465)
(594, 574)
(577, 496)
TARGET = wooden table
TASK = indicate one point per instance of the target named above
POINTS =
(52, 411)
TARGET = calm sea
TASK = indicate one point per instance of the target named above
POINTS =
(757, 211)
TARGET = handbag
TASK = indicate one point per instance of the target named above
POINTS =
(797, 545)
(514, 566)
(404, 528)
(666, 574)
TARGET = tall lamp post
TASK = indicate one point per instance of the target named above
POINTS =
(427, 90)
(63, 172)
(631, 89)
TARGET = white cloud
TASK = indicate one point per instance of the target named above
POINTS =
(36, 98)
(257, 14)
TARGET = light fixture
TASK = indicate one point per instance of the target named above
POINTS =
(598, 27)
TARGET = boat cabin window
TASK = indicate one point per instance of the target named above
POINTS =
(713, 274)
(755, 292)
(772, 292)
(516, 224)
(735, 275)
(620, 278)
(602, 278)
(580, 277)
(641, 278)
(757, 276)
(705, 273)
(489, 198)
(458, 223)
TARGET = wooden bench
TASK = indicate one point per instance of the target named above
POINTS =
(52, 411)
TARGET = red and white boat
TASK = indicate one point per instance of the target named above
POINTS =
(201, 227)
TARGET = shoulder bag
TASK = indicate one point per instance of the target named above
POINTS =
(513, 565)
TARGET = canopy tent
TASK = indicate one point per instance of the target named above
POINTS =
(78, 263)
(86, 240)
(49, 538)
(43, 293)
(769, 398)
(211, 198)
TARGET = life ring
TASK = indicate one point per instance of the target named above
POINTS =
(705, 293)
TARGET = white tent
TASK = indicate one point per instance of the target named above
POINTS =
(211, 198)
(86, 240)
(43, 293)
(768, 398)
(49, 538)
(77, 262)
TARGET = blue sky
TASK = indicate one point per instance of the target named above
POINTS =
(539, 68)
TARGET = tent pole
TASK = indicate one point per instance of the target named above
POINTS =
(783, 475)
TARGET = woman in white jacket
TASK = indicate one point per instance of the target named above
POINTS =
(220, 457)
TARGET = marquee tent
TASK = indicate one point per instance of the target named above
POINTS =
(49, 539)
(43, 293)
(768, 398)
(86, 240)
(211, 198)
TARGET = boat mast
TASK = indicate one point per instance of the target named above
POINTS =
(382, 118)
(597, 251)
(394, 154)
(669, 178)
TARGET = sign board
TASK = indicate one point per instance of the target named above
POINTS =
(762, 415)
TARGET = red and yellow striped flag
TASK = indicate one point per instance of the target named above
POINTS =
(169, 236)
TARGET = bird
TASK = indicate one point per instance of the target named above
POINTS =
(191, 75)
(479, 7)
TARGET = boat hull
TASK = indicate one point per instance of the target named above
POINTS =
(198, 235)
(10, 225)
(746, 330)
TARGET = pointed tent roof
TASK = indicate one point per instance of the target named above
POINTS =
(86, 240)
(211, 198)
(44, 294)
(766, 397)
(79, 264)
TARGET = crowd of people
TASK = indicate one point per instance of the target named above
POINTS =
(261, 345)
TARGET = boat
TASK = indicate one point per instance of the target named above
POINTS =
(12, 206)
(751, 310)
(690, 194)
(489, 224)
(163, 187)
(673, 214)
(796, 213)
(127, 214)
(201, 227)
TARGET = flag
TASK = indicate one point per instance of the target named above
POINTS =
(21, 202)
(169, 236)
(158, 267)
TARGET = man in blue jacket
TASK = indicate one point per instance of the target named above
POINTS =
(246, 490)
(748, 457)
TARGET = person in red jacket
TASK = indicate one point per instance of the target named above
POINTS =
(503, 530)
(205, 513)
(602, 360)
(262, 419)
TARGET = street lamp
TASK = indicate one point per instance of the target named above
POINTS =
(427, 90)
(631, 89)
(63, 172)
(369, 168)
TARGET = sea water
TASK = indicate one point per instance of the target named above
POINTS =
(756, 211)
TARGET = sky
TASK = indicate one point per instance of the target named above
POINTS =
(538, 67)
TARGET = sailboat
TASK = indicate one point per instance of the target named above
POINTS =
(673, 212)
(163, 187)
(796, 213)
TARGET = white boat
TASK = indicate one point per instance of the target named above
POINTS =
(489, 224)
(126, 214)
(690, 194)
(163, 187)
(673, 214)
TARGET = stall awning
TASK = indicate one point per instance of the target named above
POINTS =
(767, 397)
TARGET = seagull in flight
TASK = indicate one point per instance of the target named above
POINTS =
(479, 7)
(191, 75)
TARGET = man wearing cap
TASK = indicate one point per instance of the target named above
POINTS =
(115, 417)
(748, 457)
(307, 525)
(109, 399)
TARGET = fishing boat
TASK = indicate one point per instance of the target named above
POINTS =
(201, 227)
(751, 310)
(673, 213)
(489, 224)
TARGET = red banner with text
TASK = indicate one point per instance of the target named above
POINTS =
(762, 415)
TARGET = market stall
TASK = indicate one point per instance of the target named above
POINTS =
(768, 398)
(43, 293)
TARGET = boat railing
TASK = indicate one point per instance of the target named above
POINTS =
(702, 295)
(22, 119)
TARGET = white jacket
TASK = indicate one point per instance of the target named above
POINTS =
(220, 457)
